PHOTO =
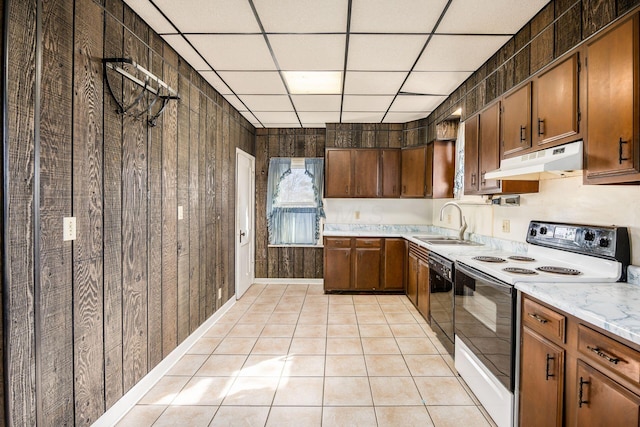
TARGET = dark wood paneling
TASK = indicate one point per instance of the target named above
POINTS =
(210, 204)
(596, 14)
(568, 25)
(202, 211)
(194, 214)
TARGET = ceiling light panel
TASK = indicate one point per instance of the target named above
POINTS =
(317, 102)
(366, 102)
(458, 53)
(234, 52)
(151, 16)
(489, 16)
(411, 103)
(319, 117)
(309, 52)
(216, 82)
(376, 83)
(185, 50)
(267, 102)
(302, 16)
(362, 117)
(313, 82)
(210, 16)
(434, 82)
(404, 117)
(254, 82)
(398, 16)
(384, 52)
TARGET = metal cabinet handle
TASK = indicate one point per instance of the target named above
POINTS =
(473, 179)
(346, 189)
(358, 190)
(620, 158)
(482, 180)
(540, 127)
(394, 189)
(547, 374)
(538, 318)
(404, 189)
(605, 356)
(523, 134)
(581, 401)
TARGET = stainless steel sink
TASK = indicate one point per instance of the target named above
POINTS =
(447, 240)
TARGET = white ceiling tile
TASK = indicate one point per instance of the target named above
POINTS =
(302, 16)
(317, 102)
(234, 52)
(183, 48)
(459, 53)
(378, 83)
(210, 16)
(250, 117)
(314, 125)
(319, 117)
(216, 82)
(254, 82)
(384, 52)
(276, 117)
(151, 16)
(434, 82)
(366, 102)
(488, 16)
(362, 117)
(282, 125)
(398, 16)
(310, 52)
(404, 117)
(416, 103)
(233, 100)
(267, 102)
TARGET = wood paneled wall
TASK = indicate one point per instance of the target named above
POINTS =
(365, 135)
(89, 318)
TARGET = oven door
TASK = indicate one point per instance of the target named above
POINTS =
(485, 321)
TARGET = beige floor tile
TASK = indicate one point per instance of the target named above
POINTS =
(251, 391)
(347, 391)
(340, 299)
(240, 416)
(400, 318)
(385, 365)
(299, 391)
(234, 316)
(380, 346)
(232, 345)
(310, 331)
(222, 365)
(258, 318)
(308, 346)
(368, 308)
(342, 331)
(343, 319)
(394, 391)
(390, 299)
(371, 319)
(365, 299)
(375, 331)
(278, 330)
(246, 330)
(423, 365)
(219, 330)
(312, 319)
(204, 345)
(442, 391)
(264, 307)
(393, 308)
(416, 346)
(279, 318)
(312, 299)
(192, 416)
(164, 391)
(275, 346)
(341, 309)
(348, 416)
(208, 391)
(407, 330)
(405, 416)
(288, 308)
(344, 346)
(345, 366)
(262, 366)
(141, 416)
(295, 416)
(188, 364)
(455, 416)
(304, 366)
(316, 290)
(292, 300)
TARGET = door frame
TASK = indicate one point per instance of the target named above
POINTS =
(252, 211)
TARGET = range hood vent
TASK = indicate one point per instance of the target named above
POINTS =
(563, 160)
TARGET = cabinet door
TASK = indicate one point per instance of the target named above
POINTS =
(337, 263)
(541, 381)
(367, 269)
(612, 104)
(428, 180)
(412, 280)
(366, 173)
(390, 160)
(423, 288)
(603, 402)
(489, 145)
(516, 121)
(471, 178)
(338, 173)
(557, 102)
(395, 251)
(413, 172)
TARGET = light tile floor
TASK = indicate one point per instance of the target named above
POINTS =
(292, 356)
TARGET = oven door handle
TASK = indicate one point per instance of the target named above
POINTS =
(478, 275)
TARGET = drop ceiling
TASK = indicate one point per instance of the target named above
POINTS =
(398, 59)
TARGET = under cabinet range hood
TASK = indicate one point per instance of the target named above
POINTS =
(563, 160)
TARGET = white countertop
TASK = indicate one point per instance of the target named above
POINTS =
(614, 307)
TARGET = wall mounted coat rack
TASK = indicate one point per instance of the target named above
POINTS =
(161, 92)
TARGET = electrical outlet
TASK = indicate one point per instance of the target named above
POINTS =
(180, 213)
(357, 214)
(219, 293)
(506, 226)
(68, 228)
(448, 218)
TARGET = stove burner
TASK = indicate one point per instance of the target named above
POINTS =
(559, 270)
(516, 270)
(489, 259)
(522, 258)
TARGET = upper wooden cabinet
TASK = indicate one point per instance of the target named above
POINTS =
(516, 121)
(366, 173)
(390, 164)
(428, 170)
(413, 172)
(471, 155)
(612, 145)
(489, 147)
(556, 107)
(338, 173)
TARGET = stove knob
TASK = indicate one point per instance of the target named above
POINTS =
(543, 230)
(604, 242)
(533, 232)
(589, 236)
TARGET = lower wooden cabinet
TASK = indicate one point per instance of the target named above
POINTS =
(424, 291)
(418, 278)
(337, 263)
(394, 262)
(366, 264)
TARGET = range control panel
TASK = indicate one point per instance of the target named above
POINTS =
(604, 242)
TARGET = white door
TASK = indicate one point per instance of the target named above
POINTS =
(245, 207)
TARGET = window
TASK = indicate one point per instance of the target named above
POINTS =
(294, 200)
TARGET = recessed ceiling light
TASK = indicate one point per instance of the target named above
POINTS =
(313, 82)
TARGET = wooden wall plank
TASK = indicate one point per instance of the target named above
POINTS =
(568, 28)
(596, 14)
(211, 207)
(194, 214)
(230, 175)
(227, 246)
(202, 209)
(220, 241)
(262, 171)
(87, 204)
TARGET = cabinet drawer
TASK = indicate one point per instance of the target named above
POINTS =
(543, 320)
(337, 242)
(610, 353)
(368, 243)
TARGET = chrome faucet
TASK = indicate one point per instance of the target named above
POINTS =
(463, 222)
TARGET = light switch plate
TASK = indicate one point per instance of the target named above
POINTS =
(180, 213)
(69, 228)
(506, 226)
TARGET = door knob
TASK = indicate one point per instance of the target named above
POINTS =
(242, 234)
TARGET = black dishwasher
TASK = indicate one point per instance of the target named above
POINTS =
(441, 271)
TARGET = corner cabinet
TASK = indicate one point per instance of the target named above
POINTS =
(613, 114)
(428, 170)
